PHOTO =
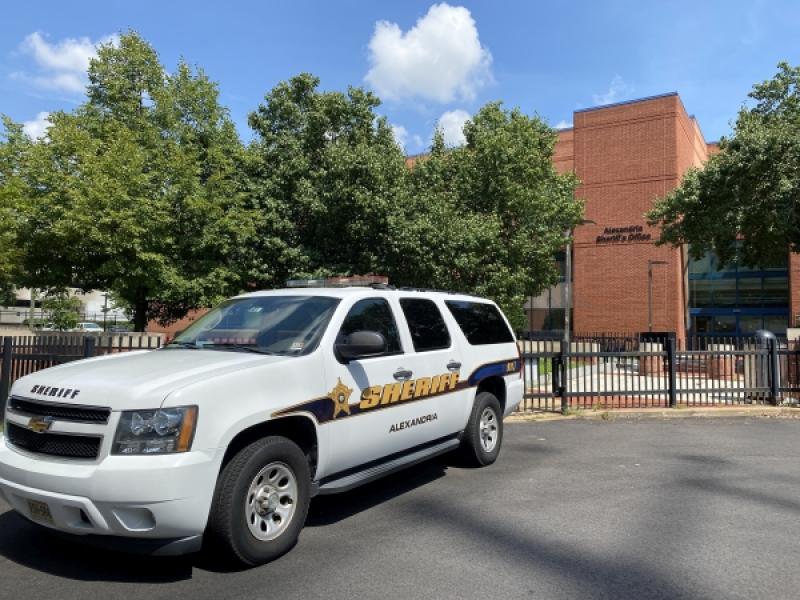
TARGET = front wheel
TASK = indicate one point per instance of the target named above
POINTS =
(261, 502)
(483, 435)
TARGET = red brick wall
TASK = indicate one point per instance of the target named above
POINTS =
(564, 152)
(626, 157)
(794, 290)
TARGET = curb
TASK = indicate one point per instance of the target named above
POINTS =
(762, 412)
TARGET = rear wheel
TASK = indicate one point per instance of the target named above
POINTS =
(483, 435)
(261, 502)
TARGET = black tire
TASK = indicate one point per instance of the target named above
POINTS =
(228, 531)
(472, 449)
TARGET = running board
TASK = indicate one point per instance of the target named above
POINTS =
(348, 482)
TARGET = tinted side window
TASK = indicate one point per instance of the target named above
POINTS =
(373, 314)
(481, 323)
(428, 330)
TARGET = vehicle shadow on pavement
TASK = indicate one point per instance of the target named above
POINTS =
(36, 548)
(326, 510)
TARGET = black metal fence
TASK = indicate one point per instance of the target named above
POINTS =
(633, 372)
(23, 355)
(590, 372)
(21, 315)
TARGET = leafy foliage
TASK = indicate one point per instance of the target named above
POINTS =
(325, 174)
(750, 190)
(337, 197)
(13, 148)
(137, 190)
(488, 217)
(63, 310)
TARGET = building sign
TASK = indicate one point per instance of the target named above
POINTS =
(623, 235)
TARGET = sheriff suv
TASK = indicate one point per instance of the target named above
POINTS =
(222, 437)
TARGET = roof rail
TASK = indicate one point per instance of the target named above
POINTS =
(419, 289)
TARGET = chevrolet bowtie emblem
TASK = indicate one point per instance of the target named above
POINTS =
(40, 424)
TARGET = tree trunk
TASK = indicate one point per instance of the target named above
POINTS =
(140, 311)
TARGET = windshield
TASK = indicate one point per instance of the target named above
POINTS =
(286, 325)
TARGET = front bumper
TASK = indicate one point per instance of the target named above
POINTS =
(146, 497)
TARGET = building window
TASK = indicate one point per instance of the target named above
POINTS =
(736, 299)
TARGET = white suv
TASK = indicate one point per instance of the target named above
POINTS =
(224, 435)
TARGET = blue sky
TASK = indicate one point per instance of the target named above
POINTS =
(431, 63)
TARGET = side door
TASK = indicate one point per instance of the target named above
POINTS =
(367, 393)
(435, 359)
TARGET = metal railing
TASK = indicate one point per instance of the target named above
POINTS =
(631, 373)
(21, 315)
(23, 355)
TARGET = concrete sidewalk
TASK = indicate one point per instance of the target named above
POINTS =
(762, 412)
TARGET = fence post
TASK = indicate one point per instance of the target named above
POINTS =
(89, 345)
(774, 371)
(5, 375)
(563, 369)
(672, 366)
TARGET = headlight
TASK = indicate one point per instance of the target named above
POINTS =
(163, 431)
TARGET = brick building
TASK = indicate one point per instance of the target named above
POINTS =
(627, 155)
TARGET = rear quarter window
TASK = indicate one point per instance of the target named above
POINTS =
(481, 323)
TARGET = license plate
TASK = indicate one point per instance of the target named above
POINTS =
(40, 511)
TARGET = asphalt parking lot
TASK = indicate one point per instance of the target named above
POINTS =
(685, 508)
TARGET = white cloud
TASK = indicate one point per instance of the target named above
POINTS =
(563, 124)
(60, 65)
(65, 82)
(452, 125)
(67, 55)
(441, 58)
(400, 134)
(617, 91)
(37, 128)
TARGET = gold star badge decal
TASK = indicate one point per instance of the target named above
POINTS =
(341, 397)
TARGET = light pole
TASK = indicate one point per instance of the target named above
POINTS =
(650, 264)
(568, 277)
(105, 310)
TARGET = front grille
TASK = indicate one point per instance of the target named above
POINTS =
(60, 412)
(53, 444)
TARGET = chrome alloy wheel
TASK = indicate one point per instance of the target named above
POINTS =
(271, 500)
(488, 429)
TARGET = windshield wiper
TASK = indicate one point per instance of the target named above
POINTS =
(188, 345)
(244, 347)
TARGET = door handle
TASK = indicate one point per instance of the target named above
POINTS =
(402, 374)
(453, 365)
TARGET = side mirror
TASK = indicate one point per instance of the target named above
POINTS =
(361, 344)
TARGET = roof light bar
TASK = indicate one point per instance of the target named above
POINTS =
(353, 281)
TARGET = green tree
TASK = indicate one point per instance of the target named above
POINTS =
(14, 145)
(62, 309)
(137, 191)
(325, 175)
(488, 217)
(750, 190)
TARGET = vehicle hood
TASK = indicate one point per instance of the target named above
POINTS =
(133, 380)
